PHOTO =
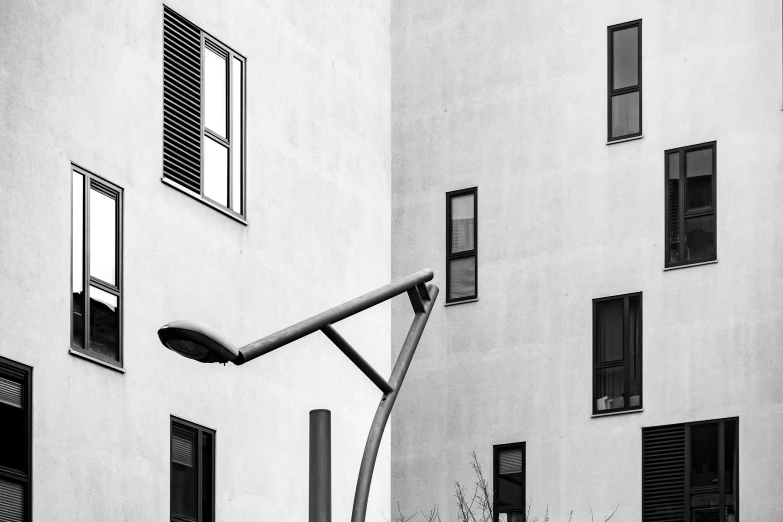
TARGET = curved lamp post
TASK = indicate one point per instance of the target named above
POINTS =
(203, 344)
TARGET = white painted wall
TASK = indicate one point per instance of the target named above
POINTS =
(510, 96)
(82, 82)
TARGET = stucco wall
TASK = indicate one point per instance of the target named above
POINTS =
(82, 82)
(510, 96)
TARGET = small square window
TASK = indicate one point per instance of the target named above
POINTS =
(617, 353)
(192, 472)
(96, 258)
(462, 245)
(203, 116)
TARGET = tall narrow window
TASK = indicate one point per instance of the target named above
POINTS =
(617, 353)
(690, 472)
(96, 280)
(203, 115)
(509, 482)
(625, 80)
(15, 441)
(461, 245)
(690, 184)
(192, 472)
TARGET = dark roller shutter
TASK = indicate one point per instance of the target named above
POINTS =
(11, 501)
(663, 473)
(181, 101)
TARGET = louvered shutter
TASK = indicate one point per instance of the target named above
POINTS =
(183, 449)
(181, 101)
(510, 461)
(663, 473)
(11, 392)
(11, 501)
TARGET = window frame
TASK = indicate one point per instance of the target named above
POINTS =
(207, 40)
(611, 91)
(109, 189)
(200, 430)
(466, 253)
(681, 212)
(496, 449)
(626, 362)
(16, 370)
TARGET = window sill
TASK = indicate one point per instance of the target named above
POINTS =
(625, 139)
(609, 414)
(461, 302)
(712, 262)
(198, 197)
(83, 355)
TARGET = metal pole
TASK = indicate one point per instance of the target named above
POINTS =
(384, 407)
(320, 466)
(357, 359)
(338, 313)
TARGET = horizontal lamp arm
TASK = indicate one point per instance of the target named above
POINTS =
(338, 313)
(357, 359)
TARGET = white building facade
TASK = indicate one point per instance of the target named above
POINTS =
(615, 338)
(295, 222)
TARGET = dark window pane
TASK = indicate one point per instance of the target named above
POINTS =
(510, 489)
(215, 92)
(704, 456)
(698, 177)
(207, 502)
(215, 171)
(625, 56)
(513, 516)
(672, 205)
(462, 223)
(730, 456)
(625, 114)
(635, 350)
(609, 330)
(610, 388)
(705, 507)
(103, 237)
(77, 303)
(462, 277)
(184, 473)
(11, 501)
(700, 238)
(13, 442)
(706, 515)
(236, 136)
(104, 323)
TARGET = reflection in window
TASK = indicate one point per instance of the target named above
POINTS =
(617, 332)
(215, 92)
(461, 238)
(96, 278)
(625, 80)
(690, 205)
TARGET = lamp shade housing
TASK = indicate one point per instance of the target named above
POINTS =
(197, 341)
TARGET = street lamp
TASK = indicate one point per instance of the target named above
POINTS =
(203, 344)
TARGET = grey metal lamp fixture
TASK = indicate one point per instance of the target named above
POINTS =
(203, 344)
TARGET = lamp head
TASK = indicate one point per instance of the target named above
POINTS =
(197, 341)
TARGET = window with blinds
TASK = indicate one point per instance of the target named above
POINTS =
(16, 449)
(192, 472)
(461, 245)
(203, 115)
(509, 482)
(690, 472)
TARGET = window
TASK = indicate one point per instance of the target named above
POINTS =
(625, 80)
(192, 472)
(690, 182)
(461, 245)
(16, 437)
(96, 284)
(690, 472)
(617, 353)
(203, 116)
(509, 482)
